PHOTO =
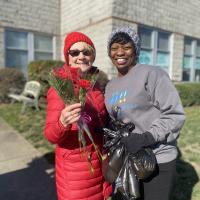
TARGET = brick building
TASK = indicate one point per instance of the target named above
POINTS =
(170, 31)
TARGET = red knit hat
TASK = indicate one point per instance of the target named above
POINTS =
(73, 38)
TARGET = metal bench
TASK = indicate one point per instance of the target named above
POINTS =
(29, 96)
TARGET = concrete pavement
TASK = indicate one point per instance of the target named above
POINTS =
(24, 173)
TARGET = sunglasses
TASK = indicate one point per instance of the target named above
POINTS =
(76, 52)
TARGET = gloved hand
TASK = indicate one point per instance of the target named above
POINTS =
(134, 142)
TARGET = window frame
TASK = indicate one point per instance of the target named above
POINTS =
(193, 56)
(154, 45)
(30, 44)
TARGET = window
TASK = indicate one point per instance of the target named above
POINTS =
(23, 47)
(16, 50)
(162, 58)
(191, 60)
(197, 66)
(43, 47)
(154, 47)
(146, 46)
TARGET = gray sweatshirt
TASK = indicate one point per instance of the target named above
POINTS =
(148, 98)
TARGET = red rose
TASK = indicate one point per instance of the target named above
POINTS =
(84, 84)
(61, 73)
(74, 73)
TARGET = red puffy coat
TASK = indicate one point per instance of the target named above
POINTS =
(73, 179)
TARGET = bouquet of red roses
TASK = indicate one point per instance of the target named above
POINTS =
(72, 87)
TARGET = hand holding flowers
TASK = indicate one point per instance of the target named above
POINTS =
(70, 114)
(73, 88)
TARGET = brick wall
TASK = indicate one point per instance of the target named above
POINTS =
(79, 14)
(98, 18)
(92, 18)
(30, 15)
(37, 15)
(177, 48)
(181, 16)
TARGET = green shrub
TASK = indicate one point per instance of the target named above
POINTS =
(11, 80)
(189, 93)
(39, 71)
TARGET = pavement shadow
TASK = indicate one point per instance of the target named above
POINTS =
(186, 178)
(36, 182)
(50, 157)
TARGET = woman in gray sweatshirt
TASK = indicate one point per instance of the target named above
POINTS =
(146, 97)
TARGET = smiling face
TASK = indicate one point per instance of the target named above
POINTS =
(82, 56)
(123, 57)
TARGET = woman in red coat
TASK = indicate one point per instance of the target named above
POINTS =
(74, 181)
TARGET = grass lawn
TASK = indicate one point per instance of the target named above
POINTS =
(31, 125)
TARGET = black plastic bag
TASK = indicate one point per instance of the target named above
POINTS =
(121, 167)
(127, 183)
(127, 169)
(143, 163)
(113, 164)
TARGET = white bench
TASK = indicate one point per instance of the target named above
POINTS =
(29, 96)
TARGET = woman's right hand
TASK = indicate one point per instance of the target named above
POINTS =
(70, 114)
